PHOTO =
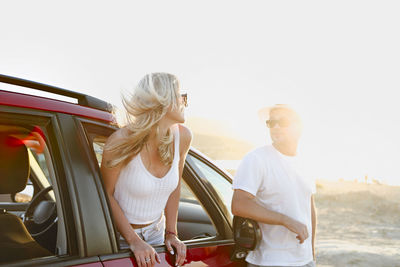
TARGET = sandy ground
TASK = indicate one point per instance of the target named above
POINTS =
(358, 224)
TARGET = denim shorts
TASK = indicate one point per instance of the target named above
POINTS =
(310, 264)
(153, 234)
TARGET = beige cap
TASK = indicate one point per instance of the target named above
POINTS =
(263, 114)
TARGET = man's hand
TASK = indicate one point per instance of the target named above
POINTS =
(243, 205)
(297, 228)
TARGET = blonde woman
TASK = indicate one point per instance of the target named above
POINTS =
(142, 168)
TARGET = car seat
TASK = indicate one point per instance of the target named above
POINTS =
(15, 241)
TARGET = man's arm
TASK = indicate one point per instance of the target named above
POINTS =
(244, 205)
(314, 224)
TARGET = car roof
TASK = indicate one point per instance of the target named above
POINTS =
(87, 106)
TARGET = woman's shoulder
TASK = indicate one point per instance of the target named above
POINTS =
(117, 136)
(185, 135)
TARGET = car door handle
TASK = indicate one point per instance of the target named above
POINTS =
(204, 235)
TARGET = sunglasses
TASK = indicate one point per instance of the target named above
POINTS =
(282, 123)
(184, 98)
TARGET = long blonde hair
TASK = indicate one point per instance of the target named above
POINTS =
(150, 101)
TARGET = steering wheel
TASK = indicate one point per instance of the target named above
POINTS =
(41, 215)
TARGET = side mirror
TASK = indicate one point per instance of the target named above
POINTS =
(247, 236)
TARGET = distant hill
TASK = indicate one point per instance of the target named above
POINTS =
(212, 127)
(216, 139)
(219, 147)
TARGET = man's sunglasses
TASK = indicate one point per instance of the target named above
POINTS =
(282, 123)
(184, 100)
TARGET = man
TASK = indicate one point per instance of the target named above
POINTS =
(270, 188)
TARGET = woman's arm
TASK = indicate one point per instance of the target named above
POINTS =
(110, 177)
(171, 208)
(140, 248)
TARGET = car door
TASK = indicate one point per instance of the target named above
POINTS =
(218, 186)
(50, 166)
(202, 225)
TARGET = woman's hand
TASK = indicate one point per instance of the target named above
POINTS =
(173, 241)
(145, 254)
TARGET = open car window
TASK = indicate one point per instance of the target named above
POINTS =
(29, 221)
(193, 220)
(219, 186)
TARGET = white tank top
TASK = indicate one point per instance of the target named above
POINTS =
(142, 196)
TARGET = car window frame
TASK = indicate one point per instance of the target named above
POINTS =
(48, 123)
(87, 125)
(219, 202)
(105, 128)
(210, 201)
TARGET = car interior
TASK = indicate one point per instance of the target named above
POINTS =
(16, 242)
(28, 210)
(193, 221)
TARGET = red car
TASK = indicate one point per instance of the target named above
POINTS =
(53, 207)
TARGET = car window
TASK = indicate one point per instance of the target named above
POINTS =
(40, 178)
(29, 217)
(97, 137)
(193, 219)
(219, 185)
(187, 194)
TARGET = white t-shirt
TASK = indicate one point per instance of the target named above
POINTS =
(278, 184)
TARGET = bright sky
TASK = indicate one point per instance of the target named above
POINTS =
(336, 62)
